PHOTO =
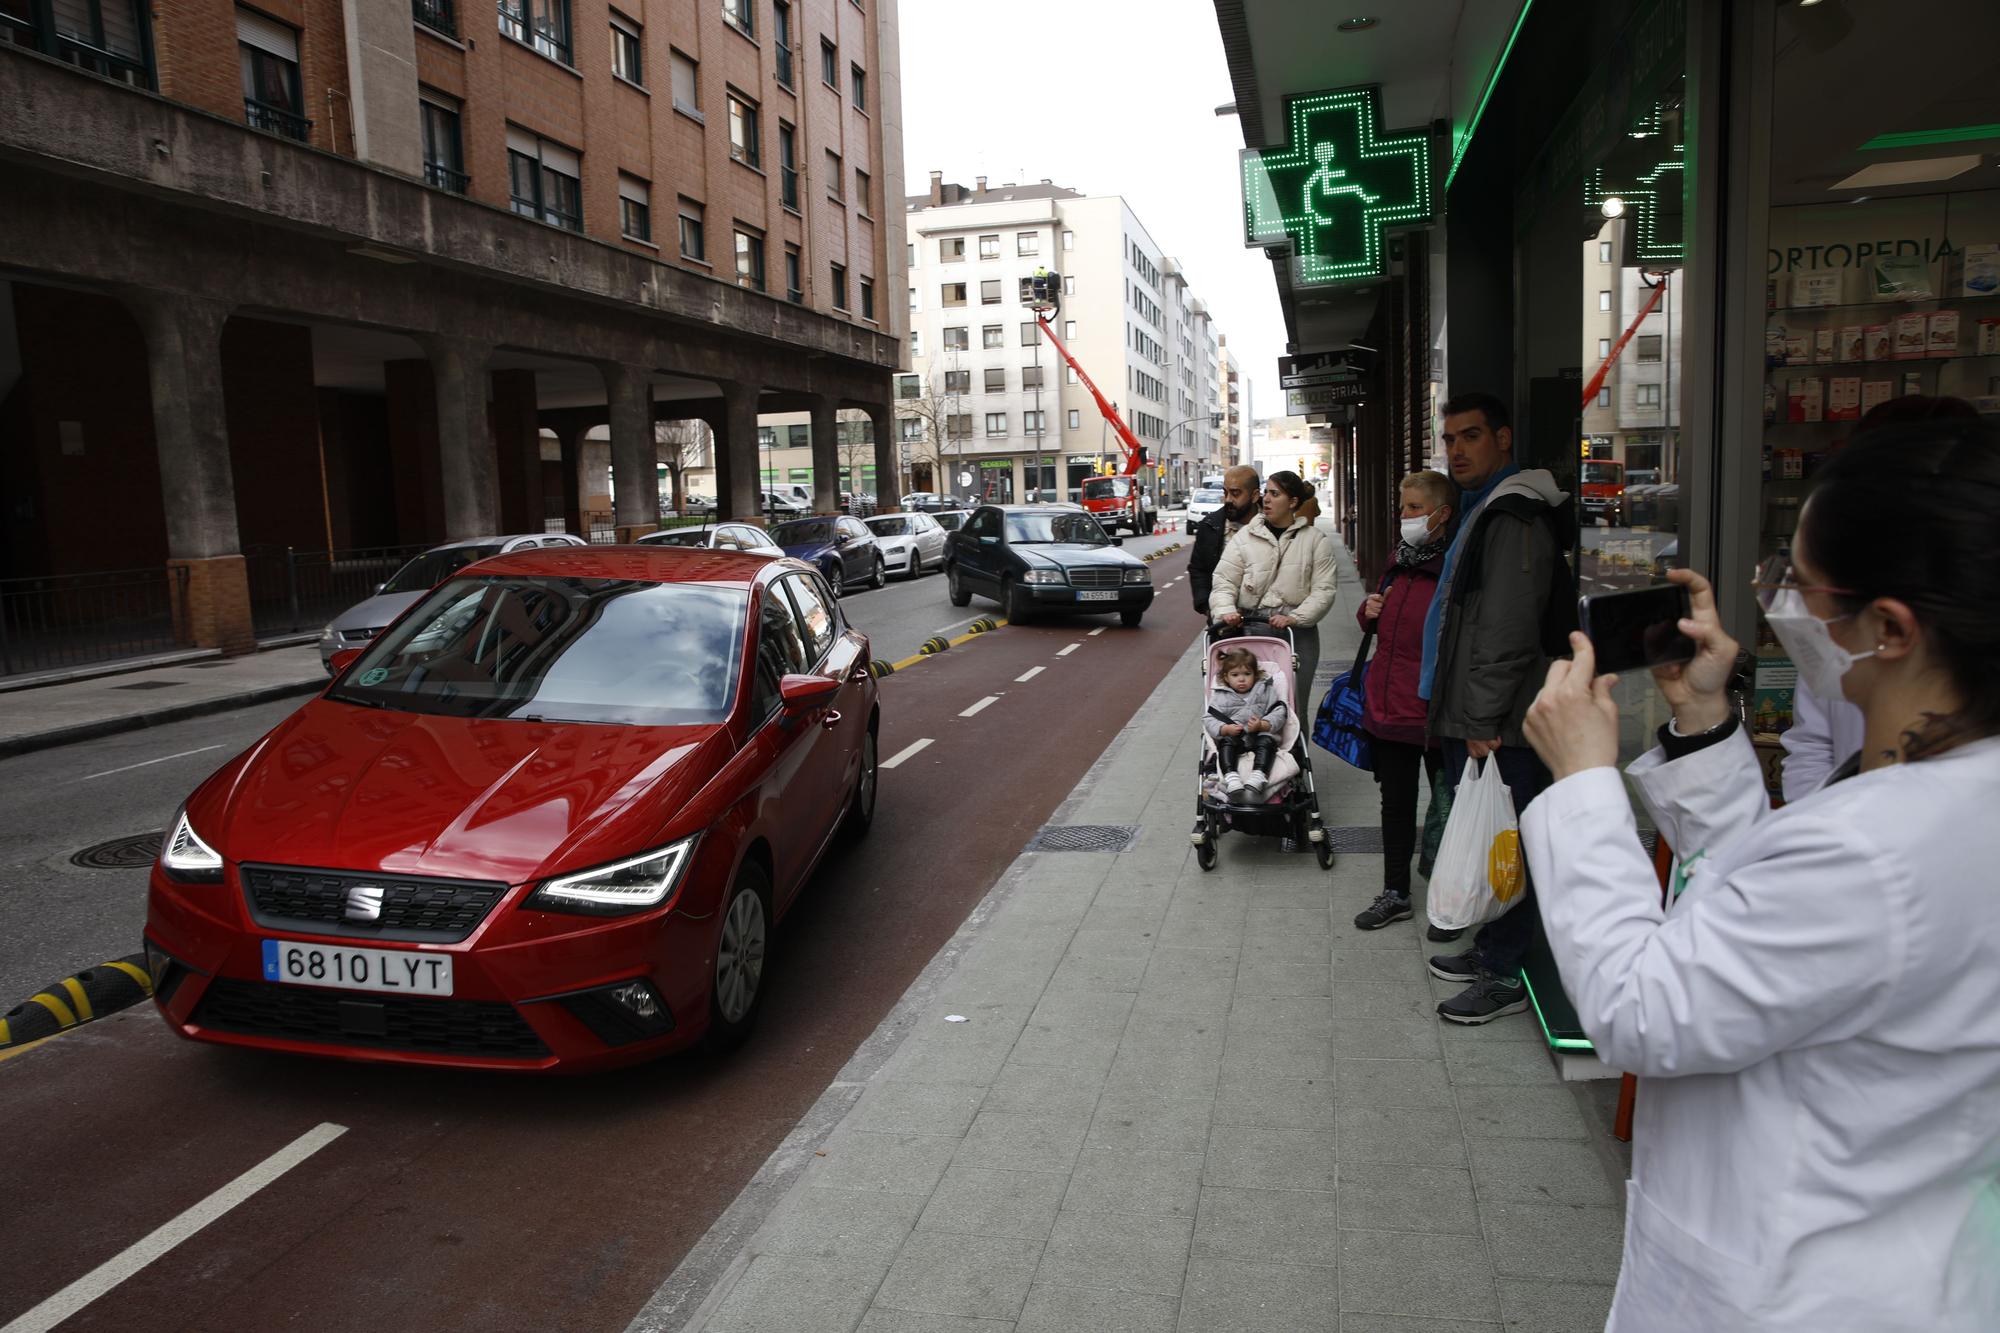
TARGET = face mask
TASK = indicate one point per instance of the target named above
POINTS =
(1417, 531)
(1822, 662)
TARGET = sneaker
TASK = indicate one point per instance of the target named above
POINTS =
(1232, 782)
(1386, 908)
(1258, 778)
(1490, 996)
(1441, 935)
(1460, 967)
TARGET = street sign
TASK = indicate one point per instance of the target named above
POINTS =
(1312, 368)
(1300, 402)
(1337, 186)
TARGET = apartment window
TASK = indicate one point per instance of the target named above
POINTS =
(767, 437)
(861, 191)
(912, 247)
(1604, 252)
(833, 176)
(1649, 347)
(1027, 243)
(959, 426)
(951, 250)
(958, 381)
(916, 342)
(739, 15)
(996, 423)
(993, 335)
(989, 247)
(544, 180)
(1032, 422)
(868, 298)
(269, 55)
(1603, 348)
(1604, 300)
(908, 387)
(635, 214)
(542, 24)
(1069, 283)
(989, 292)
(839, 286)
(1069, 375)
(1604, 397)
(444, 151)
(788, 165)
(1031, 377)
(953, 293)
(1648, 395)
(913, 303)
(957, 340)
(749, 259)
(910, 428)
(743, 139)
(1075, 419)
(1031, 333)
(829, 64)
(627, 60)
(693, 244)
(858, 80)
(795, 286)
(686, 87)
(1069, 240)
(1069, 329)
(781, 38)
(996, 379)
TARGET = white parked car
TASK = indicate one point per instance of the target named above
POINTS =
(720, 537)
(1203, 502)
(910, 543)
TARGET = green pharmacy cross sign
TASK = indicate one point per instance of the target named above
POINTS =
(1337, 187)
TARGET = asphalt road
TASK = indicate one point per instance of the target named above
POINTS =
(450, 1201)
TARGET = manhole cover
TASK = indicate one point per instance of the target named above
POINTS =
(1356, 838)
(132, 853)
(1085, 838)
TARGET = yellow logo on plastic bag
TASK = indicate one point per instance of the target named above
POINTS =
(1503, 865)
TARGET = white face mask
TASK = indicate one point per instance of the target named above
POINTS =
(1417, 531)
(1822, 662)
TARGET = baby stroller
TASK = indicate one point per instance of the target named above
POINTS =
(1285, 807)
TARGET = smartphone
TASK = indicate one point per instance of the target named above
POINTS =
(1637, 628)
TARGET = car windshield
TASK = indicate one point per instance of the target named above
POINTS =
(1603, 473)
(1205, 496)
(809, 532)
(1041, 529)
(559, 650)
(890, 527)
(1105, 488)
(434, 567)
(679, 537)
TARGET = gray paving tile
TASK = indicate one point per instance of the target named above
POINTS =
(1408, 1001)
(1245, 1158)
(1424, 1136)
(1118, 1180)
(1288, 892)
(1191, 1037)
(1276, 1053)
(971, 1060)
(1044, 1090)
(1208, 996)
(1374, 964)
(1270, 1102)
(1366, 1081)
(1266, 977)
(942, 1272)
(1164, 1075)
(783, 1293)
(1098, 974)
(1352, 1321)
(1191, 964)
(1118, 1251)
(1411, 1038)
(911, 1321)
(1076, 1309)
(1085, 1009)
(1554, 1240)
(1284, 949)
(1127, 1119)
(840, 1224)
(1520, 1113)
(1287, 922)
(1284, 1013)
(1234, 1296)
(893, 1106)
(1112, 942)
(1388, 1272)
(1273, 1226)
(1021, 1204)
(1066, 1047)
(1564, 1171)
(1400, 940)
(1524, 1064)
(1011, 1141)
(1393, 1196)
(1555, 1307)
(883, 1163)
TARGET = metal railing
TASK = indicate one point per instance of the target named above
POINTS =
(275, 119)
(437, 15)
(293, 591)
(67, 620)
(444, 178)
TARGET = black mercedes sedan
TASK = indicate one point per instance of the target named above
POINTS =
(1044, 560)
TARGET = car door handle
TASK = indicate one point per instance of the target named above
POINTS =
(832, 718)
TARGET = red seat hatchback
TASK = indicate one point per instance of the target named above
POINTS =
(547, 819)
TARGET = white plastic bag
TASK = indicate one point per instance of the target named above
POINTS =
(1479, 872)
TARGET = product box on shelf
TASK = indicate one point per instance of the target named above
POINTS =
(1974, 270)
(1817, 288)
(1942, 329)
(1874, 393)
(1814, 389)
(1772, 689)
(1909, 337)
(1823, 346)
(1903, 278)
(1770, 402)
(1795, 401)
(1774, 344)
(1878, 341)
(1986, 404)
(1798, 349)
(1843, 398)
(1853, 344)
(1791, 464)
(1988, 339)
(1913, 382)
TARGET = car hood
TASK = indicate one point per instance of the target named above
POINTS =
(344, 787)
(1067, 555)
(377, 611)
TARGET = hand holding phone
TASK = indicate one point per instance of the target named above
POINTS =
(1640, 627)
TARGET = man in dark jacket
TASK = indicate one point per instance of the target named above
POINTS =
(1241, 495)
(1505, 604)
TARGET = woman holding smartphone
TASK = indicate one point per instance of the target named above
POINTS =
(1815, 1017)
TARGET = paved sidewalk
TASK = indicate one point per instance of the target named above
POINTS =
(77, 710)
(1179, 1101)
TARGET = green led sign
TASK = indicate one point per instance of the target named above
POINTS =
(1337, 187)
(1657, 243)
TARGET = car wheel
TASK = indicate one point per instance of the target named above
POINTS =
(1016, 606)
(835, 580)
(736, 988)
(1131, 619)
(881, 575)
(955, 587)
(861, 806)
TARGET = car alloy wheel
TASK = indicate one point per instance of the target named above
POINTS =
(739, 959)
(955, 587)
(835, 578)
(861, 809)
(881, 575)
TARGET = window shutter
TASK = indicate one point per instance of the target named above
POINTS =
(253, 29)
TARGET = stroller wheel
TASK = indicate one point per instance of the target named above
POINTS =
(1204, 856)
(1324, 850)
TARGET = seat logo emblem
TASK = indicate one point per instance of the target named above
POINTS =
(364, 903)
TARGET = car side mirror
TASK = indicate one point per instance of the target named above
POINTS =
(1117, 541)
(343, 659)
(802, 694)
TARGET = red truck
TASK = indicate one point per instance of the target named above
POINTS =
(1603, 486)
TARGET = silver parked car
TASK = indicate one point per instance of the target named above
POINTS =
(720, 537)
(354, 627)
(910, 543)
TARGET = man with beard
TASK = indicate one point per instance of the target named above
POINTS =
(1241, 489)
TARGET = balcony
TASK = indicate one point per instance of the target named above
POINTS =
(441, 177)
(437, 15)
(275, 119)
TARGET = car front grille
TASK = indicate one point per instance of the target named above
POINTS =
(430, 911)
(1095, 577)
(354, 1018)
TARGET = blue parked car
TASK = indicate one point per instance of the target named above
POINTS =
(840, 548)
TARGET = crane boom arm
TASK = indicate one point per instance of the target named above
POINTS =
(1126, 439)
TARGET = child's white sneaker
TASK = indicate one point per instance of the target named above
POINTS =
(1257, 778)
(1232, 782)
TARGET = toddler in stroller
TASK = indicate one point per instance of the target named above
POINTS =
(1246, 712)
(1249, 724)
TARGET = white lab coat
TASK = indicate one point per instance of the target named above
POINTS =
(1816, 1024)
(1823, 736)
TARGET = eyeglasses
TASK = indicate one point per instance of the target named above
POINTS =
(1776, 574)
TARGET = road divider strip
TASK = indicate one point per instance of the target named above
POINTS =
(981, 706)
(909, 751)
(1066, 651)
(1029, 675)
(73, 1001)
(890, 668)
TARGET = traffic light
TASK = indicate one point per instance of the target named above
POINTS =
(1302, 467)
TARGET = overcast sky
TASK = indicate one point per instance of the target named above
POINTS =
(1106, 97)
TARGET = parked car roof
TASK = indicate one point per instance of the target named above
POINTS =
(654, 564)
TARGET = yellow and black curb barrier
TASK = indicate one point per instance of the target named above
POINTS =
(983, 625)
(935, 644)
(75, 1000)
(879, 668)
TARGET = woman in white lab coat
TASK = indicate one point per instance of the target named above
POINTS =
(1816, 1018)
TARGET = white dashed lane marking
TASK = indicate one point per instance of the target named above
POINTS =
(987, 702)
(905, 753)
(1099, 630)
(1029, 675)
(1065, 652)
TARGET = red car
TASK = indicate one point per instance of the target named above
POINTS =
(548, 818)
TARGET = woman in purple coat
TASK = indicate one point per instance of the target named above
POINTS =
(1394, 713)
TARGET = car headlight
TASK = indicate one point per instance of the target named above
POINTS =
(1139, 575)
(185, 857)
(327, 633)
(1044, 576)
(636, 885)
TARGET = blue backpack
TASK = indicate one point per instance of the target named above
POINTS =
(1337, 729)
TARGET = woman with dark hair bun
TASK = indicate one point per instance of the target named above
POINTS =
(1815, 1016)
(1279, 568)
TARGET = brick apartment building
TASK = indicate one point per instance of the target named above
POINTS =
(310, 277)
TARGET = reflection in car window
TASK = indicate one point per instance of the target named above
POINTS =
(1031, 529)
(434, 567)
(950, 522)
(559, 650)
(781, 650)
(807, 532)
(1206, 496)
(815, 613)
(678, 537)
(985, 523)
(891, 527)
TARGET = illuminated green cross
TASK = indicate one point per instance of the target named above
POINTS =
(1336, 187)
(1657, 243)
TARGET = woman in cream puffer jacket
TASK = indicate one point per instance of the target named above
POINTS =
(1280, 568)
